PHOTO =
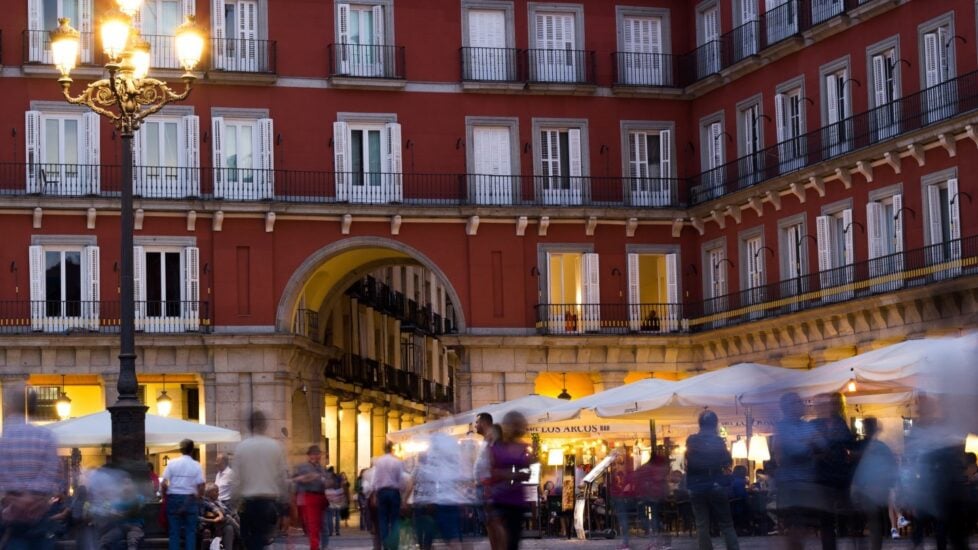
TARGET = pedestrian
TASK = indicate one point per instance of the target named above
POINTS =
(260, 482)
(310, 495)
(224, 479)
(834, 444)
(388, 482)
(334, 501)
(30, 475)
(483, 472)
(439, 493)
(229, 528)
(510, 468)
(154, 478)
(873, 482)
(360, 490)
(183, 483)
(345, 509)
(707, 461)
(797, 492)
(622, 498)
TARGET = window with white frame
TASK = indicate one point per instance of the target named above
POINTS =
(649, 163)
(493, 158)
(715, 276)
(780, 19)
(653, 292)
(790, 125)
(556, 43)
(367, 156)
(745, 42)
(885, 65)
(488, 40)
(167, 288)
(243, 155)
(836, 253)
(238, 32)
(166, 156)
(708, 40)
(573, 291)
(884, 233)
(712, 157)
(43, 15)
(944, 222)
(62, 152)
(837, 106)
(938, 55)
(642, 41)
(64, 287)
(792, 245)
(751, 163)
(363, 38)
(560, 161)
(752, 258)
(157, 23)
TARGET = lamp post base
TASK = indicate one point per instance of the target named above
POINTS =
(129, 436)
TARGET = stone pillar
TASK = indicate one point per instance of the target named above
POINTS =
(110, 382)
(605, 380)
(364, 437)
(348, 437)
(378, 430)
(393, 421)
(332, 450)
(407, 420)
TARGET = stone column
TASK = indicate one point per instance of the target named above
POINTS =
(348, 437)
(605, 380)
(378, 430)
(332, 449)
(364, 437)
(393, 421)
(407, 420)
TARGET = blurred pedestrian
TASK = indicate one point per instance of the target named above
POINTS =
(707, 462)
(873, 482)
(439, 493)
(510, 468)
(310, 488)
(795, 475)
(335, 501)
(260, 482)
(223, 521)
(183, 483)
(361, 493)
(834, 443)
(224, 479)
(113, 508)
(651, 484)
(483, 474)
(154, 479)
(388, 483)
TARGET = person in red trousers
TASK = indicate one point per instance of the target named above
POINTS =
(311, 483)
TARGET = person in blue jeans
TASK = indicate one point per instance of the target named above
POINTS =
(707, 461)
(183, 483)
(388, 483)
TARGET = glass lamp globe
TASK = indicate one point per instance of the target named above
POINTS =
(115, 34)
(65, 43)
(164, 404)
(140, 59)
(63, 406)
(129, 7)
(190, 44)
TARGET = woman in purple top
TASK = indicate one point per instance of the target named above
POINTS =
(510, 468)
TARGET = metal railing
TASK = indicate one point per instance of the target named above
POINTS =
(885, 274)
(242, 55)
(376, 294)
(371, 374)
(865, 129)
(645, 69)
(560, 66)
(307, 324)
(82, 316)
(366, 61)
(162, 51)
(491, 64)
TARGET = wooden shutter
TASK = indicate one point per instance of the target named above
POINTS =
(716, 145)
(90, 287)
(35, 24)
(780, 116)
(592, 291)
(665, 154)
(86, 29)
(137, 151)
(748, 11)
(574, 152)
(943, 63)
(341, 159)
(750, 135)
(824, 242)
(91, 124)
(393, 132)
(38, 290)
(139, 284)
(875, 229)
(897, 223)
(720, 272)
(711, 26)
(849, 254)
(191, 294)
(634, 280)
(672, 278)
(191, 129)
(266, 157)
(343, 23)
(32, 155)
(217, 154)
(934, 209)
(218, 34)
(378, 15)
(954, 208)
(190, 8)
(832, 98)
(932, 59)
(879, 81)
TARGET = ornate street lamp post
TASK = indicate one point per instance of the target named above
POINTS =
(126, 98)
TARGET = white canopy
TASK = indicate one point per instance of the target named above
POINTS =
(95, 430)
(622, 394)
(529, 405)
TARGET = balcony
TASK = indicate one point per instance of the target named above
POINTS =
(913, 112)
(499, 65)
(645, 70)
(884, 275)
(373, 375)
(37, 49)
(413, 316)
(351, 63)
(236, 55)
(101, 317)
(569, 67)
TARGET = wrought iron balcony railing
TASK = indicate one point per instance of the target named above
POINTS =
(646, 69)
(560, 66)
(367, 61)
(371, 374)
(909, 113)
(882, 275)
(242, 55)
(491, 65)
(84, 316)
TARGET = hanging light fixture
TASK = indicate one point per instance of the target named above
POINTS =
(63, 404)
(163, 403)
(563, 393)
(851, 386)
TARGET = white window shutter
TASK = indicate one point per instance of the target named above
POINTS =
(139, 284)
(191, 294)
(934, 211)
(191, 128)
(575, 153)
(954, 208)
(931, 59)
(824, 242)
(190, 8)
(35, 23)
(85, 27)
(32, 155)
(266, 157)
(218, 33)
(781, 120)
(716, 145)
(396, 165)
(875, 229)
(832, 98)
(849, 254)
(592, 291)
(38, 290)
(665, 154)
(343, 23)
(898, 223)
(341, 159)
(378, 15)
(944, 42)
(217, 154)
(90, 286)
(879, 80)
(672, 278)
(748, 11)
(634, 293)
(91, 124)
(721, 272)
(137, 150)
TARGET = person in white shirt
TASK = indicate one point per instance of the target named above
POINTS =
(388, 482)
(260, 482)
(224, 479)
(183, 484)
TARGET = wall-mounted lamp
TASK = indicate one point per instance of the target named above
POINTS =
(330, 144)
(603, 149)
(115, 267)
(203, 138)
(765, 117)
(526, 147)
(955, 37)
(409, 144)
(729, 137)
(896, 215)
(459, 143)
(721, 261)
(207, 268)
(809, 100)
(762, 249)
(852, 223)
(691, 146)
(13, 132)
(692, 270)
(13, 266)
(278, 139)
(534, 272)
(901, 60)
(848, 80)
(955, 197)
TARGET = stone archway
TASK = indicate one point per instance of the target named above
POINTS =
(341, 262)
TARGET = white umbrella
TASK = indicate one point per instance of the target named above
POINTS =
(628, 393)
(95, 430)
(529, 405)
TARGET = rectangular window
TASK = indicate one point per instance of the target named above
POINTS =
(368, 164)
(62, 152)
(708, 52)
(573, 292)
(884, 232)
(745, 35)
(944, 220)
(243, 153)
(157, 22)
(885, 116)
(713, 178)
(43, 15)
(938, 54)
(489, 54)
(751, 163)
(46, 409)
(823, 10)
(780, 19)
(789, 118)
(641, 59)
(835, 233)
(64, 287)
(560, 165)
(492, 164)
(555, 56)
(166, 157)
(650, 169)
(752, 254)
(653, 292)
(838, 109)
(362, 40)
(167, 288)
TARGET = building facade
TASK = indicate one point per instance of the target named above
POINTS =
(373, 212)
